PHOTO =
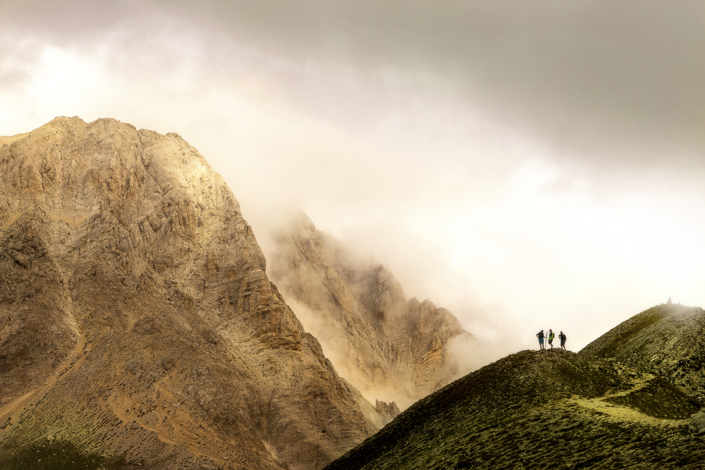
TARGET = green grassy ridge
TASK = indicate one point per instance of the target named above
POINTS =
(512, 414)
(667, 341)
(58, 455)
(604, 346)
(659, 399)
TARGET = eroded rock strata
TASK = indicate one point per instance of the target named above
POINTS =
(137, 324)
(385, 345)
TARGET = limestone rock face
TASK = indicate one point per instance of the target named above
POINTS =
(385, 345)
(666, 340)
(136, 319)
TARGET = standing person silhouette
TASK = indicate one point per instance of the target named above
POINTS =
(540, 336)
(551, 335)
(562, 337)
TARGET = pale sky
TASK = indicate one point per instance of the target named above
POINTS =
(527, 165)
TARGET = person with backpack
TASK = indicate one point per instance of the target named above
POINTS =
(540, 336)
(562, 337)
(551, 335)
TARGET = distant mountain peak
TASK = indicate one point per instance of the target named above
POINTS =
(382, 343)
(137, 323)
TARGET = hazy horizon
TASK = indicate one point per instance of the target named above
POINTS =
(526, 166)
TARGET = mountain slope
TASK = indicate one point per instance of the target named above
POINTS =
(667, 340)
(539, 409)
(137, 323)
(383, 344)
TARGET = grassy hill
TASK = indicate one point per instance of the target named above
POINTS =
(540, 409)
(666, 340)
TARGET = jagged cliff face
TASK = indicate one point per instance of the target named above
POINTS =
(136, 318)
(666, 340)
(385, 345)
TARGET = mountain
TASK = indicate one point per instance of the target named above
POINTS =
(385, 345)
(137, 325)
(542, 409)
(667, 340)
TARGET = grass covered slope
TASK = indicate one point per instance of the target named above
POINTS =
(539, 409)
(666, 340)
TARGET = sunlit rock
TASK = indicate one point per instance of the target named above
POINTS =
(137, 323)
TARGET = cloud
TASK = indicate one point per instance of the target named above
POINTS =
(619, 82)
(544, 156)
(610, 84)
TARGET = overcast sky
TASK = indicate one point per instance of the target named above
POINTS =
(527, 165)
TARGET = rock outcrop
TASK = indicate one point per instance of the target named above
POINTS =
(137, 324)
(666, 340)
(554, 408)
(385, 345)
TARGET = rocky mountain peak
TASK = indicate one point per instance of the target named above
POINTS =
(137, 323)
(383, 344)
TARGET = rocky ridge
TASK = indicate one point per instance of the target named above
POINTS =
(137, 325)
(552, 408)
(385, 345)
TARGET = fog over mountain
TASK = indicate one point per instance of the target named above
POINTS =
(387, 346)
(137, 325)
(525, 165)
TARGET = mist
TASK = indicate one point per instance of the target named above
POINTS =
(380, 340)
(526, 166)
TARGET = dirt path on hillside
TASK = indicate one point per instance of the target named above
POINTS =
(625, 413)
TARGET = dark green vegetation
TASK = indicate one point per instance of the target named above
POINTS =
(660, 400)
(666, 340)
(58, 455)
(543, 409)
